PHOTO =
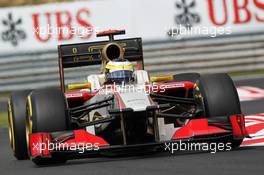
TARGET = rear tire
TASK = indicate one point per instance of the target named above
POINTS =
(219, 97)
(17, 124)
(47, 113)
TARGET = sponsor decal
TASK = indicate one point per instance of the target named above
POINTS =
(72, 95)
(173, 85)
(248, 93)
(255, 129)
(43, 27)
(12, 32)
(67, 26)
(242, 12)
(186, 17)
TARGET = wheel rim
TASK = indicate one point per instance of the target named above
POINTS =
(198, 97)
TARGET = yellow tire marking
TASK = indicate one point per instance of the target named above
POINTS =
(29, 106)
(29, 121)
(11, 127)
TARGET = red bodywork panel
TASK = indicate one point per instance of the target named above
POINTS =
(197, 127)
(238, 125)
(38, 145)
(82, 136)
(201, 127)
(42, 144)
(79, 96)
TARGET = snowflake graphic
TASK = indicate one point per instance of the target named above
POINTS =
(186, 17)
(12, 34)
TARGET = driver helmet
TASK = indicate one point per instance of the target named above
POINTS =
(119, 71)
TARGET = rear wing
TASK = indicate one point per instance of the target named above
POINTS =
(85, 54)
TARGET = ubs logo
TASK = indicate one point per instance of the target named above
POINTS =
(185, 16)
(12, 33)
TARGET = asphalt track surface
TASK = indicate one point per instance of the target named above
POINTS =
(247, 160)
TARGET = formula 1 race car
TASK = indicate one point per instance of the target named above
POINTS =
(122, 109)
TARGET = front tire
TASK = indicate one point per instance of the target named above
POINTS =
(191, 77)
(47, 112)
(17, 123)
(219, 97)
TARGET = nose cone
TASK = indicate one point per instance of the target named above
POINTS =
(138, 101)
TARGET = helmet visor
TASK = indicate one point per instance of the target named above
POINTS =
(119, 76)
